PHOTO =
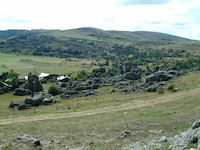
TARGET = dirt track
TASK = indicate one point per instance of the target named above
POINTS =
(126, 106)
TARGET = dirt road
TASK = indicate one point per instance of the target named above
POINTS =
(135, 104)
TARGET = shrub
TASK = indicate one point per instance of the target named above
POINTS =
(81, 75)
(12, 78)
(171, 87)
(161, 91)
(44, 80)
(53, 90)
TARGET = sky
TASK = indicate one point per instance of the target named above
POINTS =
(177, 17)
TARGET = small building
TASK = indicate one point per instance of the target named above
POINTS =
(63, 78)
(43, 75)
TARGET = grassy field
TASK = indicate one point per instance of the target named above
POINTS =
(24, 64)
(101, 130)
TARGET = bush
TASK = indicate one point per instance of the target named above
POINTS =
(161, 91)
(53, 90)
(12, 78)
(81, 75)
(44, 80)
(171, 87)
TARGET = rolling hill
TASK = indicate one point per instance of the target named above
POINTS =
(90, 42)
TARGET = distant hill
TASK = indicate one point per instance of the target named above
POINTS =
(90, 42)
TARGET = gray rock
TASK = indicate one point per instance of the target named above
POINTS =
(173, 72)
(29, 139)
(163, 139)
(198, 147)
(1, 91)
(124, 134)
(51, 143)
(2, 84)
(66, 96)
(3, 75)
(15, 104)
(35, 100)
(151, 145)
(81, 88)
(120, 69)
(95, 86)
(96, 80)
(182, 141)
(70, 92)
(22, 106)
(152, 88)
(156, 131)
(22, 92)
(74, 84)
(49, 101)
(132, 76)
(46, 101)
(158, 76)
(196, 125)
(62, 84)
(88, 93)
(33, 83)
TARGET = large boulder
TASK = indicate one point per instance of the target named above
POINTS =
(182, 141)
(33, 83)
(29, 139)
(120, 69)
(15, 104)
(88, 93)
(132, 76)
(34, 100)
(95, 86)
(82, 87)
(98, 72)
(69, 94)
(22, 106)
(158, 77)
(3, 76)
(173, 72)
(22, 92)
(49, 101)
(1, 91)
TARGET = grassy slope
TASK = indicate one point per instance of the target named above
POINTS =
(41, 64)
(101, 130)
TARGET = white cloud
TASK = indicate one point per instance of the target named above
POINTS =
(173, 17)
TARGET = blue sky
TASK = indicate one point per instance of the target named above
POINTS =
(177, 17)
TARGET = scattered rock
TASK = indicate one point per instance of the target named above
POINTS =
(29, 139)
(156, 131)
(22, 92)
(124, 134)
(163, 139)
(196, 125)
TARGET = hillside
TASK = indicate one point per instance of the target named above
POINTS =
(90, 42)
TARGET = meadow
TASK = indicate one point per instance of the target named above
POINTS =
(23, 64)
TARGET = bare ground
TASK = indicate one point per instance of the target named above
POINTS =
(132, 105)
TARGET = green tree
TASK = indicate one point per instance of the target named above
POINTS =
(53, 90)
(12, 78)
